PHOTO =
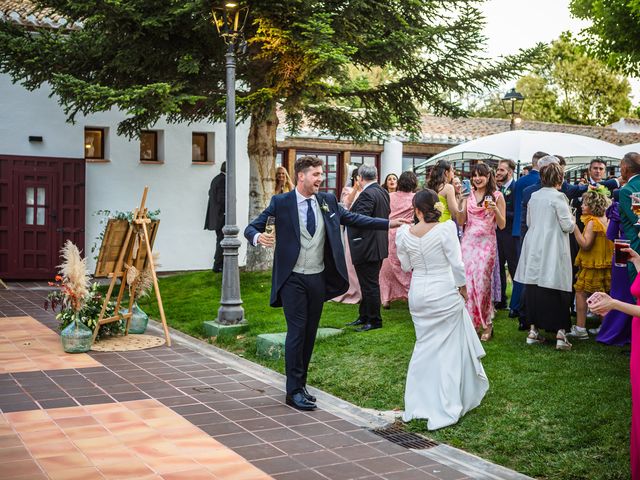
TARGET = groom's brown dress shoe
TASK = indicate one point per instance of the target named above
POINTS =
(300, 402)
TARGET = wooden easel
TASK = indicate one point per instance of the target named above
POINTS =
(129, 254)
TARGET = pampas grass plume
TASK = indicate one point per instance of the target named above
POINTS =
(74, 275)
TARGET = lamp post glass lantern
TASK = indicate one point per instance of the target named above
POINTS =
(512, 103)
(229, 20)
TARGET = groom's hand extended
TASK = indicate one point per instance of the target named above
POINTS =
(395, 223)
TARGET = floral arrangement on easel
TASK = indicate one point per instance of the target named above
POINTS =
(140, 283)
(78, 300)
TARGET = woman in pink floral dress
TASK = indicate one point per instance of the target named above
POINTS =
(482, 211)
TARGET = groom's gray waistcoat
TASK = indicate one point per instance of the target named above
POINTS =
(311, 258)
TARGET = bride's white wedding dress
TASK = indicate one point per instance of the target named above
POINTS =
(445, 378)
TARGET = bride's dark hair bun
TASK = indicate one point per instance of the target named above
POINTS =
(425, 201)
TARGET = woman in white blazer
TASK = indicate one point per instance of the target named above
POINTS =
(545, 261)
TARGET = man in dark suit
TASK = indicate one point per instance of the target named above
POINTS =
(308, 266)
(369, 248)
(214, 219)
(507, 249)
(630, 172)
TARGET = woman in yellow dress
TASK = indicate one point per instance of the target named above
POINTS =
(440, 181)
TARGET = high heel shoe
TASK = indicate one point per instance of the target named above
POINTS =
(487, 334)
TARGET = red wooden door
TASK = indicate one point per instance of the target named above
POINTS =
(36, 223)
(41, 206)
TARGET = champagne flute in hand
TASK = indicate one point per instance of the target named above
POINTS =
(267, 239)
(270, 226)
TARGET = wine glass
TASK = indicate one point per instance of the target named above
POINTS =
(270, 226)
(635, 205)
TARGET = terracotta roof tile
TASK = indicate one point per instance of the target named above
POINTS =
(25, 13)
(450, 130)
(453, 131)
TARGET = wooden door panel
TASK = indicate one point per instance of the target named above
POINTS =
(33, 232)
(36, 227)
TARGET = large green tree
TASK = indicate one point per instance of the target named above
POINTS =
(568, 86)
(153, 58)
(614, 34)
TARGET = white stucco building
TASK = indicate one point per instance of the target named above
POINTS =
(33, 125)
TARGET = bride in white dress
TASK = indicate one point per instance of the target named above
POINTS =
(445, 378)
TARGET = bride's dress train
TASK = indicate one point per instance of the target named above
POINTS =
(445, 378)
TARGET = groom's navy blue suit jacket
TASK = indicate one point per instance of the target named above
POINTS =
(284, 208)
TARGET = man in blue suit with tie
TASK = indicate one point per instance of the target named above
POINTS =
(309, 266)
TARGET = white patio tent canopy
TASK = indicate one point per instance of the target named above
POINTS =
(624, 149)
(520, 145)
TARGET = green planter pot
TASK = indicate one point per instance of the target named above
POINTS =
(139, 320)
(76, 337)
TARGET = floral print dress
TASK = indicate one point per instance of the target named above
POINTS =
(479, 254)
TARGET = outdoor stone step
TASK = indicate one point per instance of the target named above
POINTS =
(271, 345)
(218, 330)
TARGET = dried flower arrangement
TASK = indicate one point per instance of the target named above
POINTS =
(141, 281)
(74, 277)
(78, 299)
(89, 313)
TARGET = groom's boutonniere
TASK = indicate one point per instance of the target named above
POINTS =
(324, 206)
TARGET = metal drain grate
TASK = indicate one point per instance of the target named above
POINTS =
(396, 434)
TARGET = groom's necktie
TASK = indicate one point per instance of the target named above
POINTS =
(311, 218)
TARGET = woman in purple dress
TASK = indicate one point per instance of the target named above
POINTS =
(616, 325)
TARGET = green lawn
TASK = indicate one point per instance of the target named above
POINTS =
(548, 414)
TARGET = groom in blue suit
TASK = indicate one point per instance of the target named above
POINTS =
(308, 266)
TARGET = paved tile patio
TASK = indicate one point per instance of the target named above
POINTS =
(165, 413)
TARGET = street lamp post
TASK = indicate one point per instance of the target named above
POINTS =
(229, 21)
(512, 103)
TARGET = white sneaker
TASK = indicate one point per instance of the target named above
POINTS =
(579, 333)
(594, 331)
(534, 337)
(561, 341)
